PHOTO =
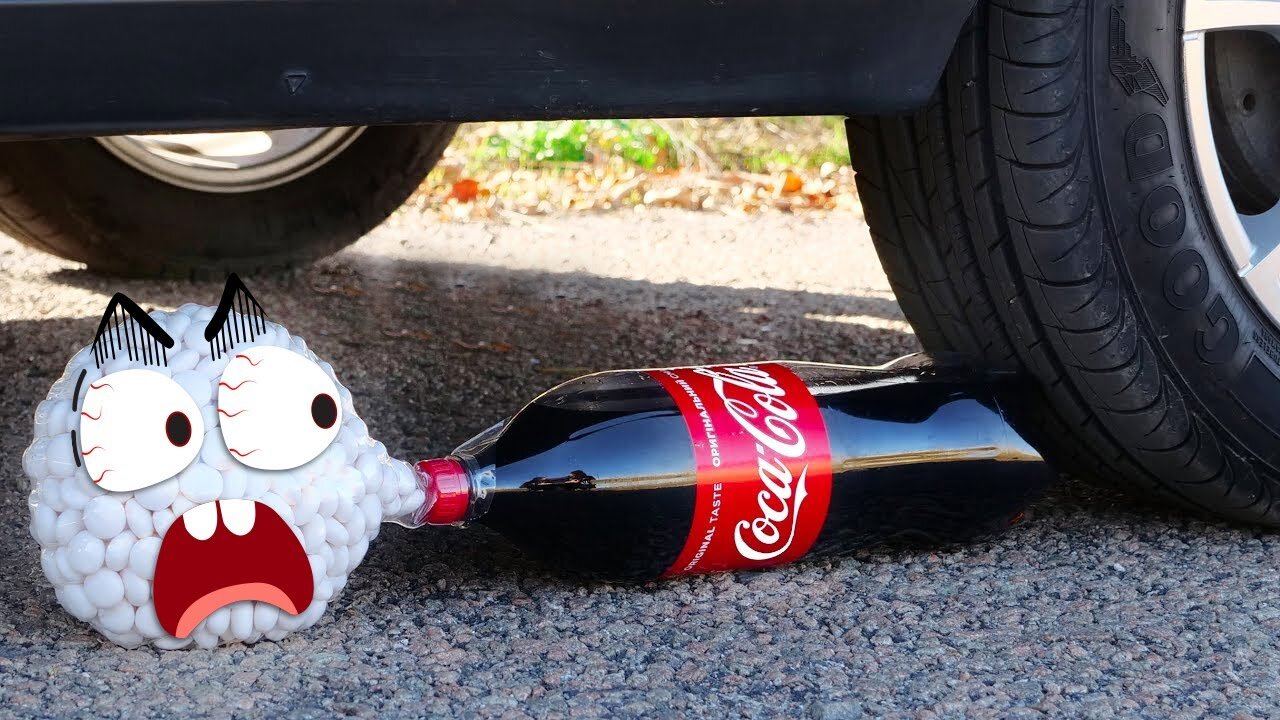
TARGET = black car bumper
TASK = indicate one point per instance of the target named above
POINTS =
(86, 67)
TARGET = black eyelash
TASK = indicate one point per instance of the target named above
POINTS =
(75, 395)
(238, 318)
(126, 326)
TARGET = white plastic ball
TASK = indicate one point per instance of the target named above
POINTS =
(85, 553)
(104, 516)
(104, 588)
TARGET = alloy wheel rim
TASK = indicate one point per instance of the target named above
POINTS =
(231, 162)
(1251, 238)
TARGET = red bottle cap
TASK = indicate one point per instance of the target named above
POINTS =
(448, 490)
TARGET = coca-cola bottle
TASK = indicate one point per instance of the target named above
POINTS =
(637, 474)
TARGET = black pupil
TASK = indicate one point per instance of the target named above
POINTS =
(178, 428)
(324, 411)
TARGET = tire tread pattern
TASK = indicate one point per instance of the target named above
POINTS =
(1008, 254)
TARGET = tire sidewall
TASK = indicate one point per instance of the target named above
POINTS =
(1222, 346)
(97, 209)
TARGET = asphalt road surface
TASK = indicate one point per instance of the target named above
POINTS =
(1098, 606)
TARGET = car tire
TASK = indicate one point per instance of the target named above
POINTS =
(1045, 212)
(75, 199)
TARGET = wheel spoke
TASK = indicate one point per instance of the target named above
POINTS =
(1264, 234)
(1207, 15)
(1263, 278)
(1222, 209)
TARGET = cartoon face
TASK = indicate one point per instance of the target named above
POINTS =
(198, 476)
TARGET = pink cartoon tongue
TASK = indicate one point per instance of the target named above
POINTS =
(196, 576)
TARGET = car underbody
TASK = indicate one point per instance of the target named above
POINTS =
(128, 66)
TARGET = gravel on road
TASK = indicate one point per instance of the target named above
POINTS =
(1099, 605)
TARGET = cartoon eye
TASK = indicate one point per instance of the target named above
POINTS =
(324, 410)
(178, 428)
(137, 428)
(277, 409)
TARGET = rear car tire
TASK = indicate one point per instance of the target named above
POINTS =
(75, 199)
(1046, 212)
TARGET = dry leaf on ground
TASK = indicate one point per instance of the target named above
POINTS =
(407, 334)
(344, 290)
(465, 190)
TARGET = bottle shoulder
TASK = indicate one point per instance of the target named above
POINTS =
(614, 391)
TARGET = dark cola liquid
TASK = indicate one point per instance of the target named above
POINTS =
(597, 476)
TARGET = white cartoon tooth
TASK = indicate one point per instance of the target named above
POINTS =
(238, 515)
(202, 520)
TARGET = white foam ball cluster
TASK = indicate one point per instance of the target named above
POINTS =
(99, 549)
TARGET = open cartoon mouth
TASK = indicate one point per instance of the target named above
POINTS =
(223, 552)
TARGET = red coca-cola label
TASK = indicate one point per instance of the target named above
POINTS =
(763, 465)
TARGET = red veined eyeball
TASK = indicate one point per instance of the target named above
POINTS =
(136, 429)
(277, 409)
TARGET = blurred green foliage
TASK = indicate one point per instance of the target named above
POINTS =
(642, 143)
(766, 144)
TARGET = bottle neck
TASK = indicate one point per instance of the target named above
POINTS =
(458, 488)
(447, 486)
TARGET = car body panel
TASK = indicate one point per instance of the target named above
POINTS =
(93, 67)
